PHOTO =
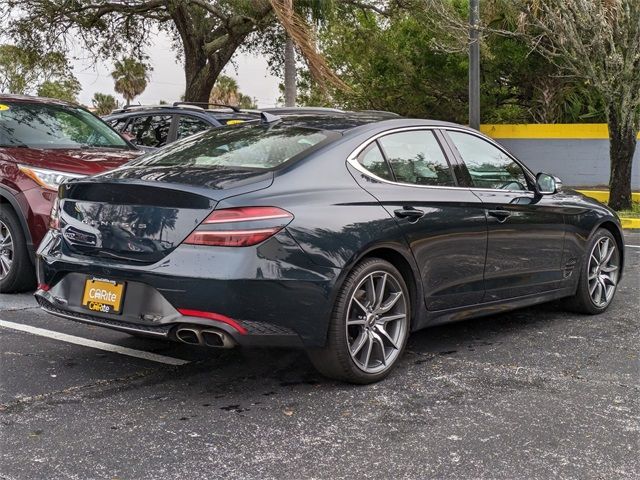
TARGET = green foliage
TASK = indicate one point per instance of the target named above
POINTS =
(412, 63)
(67, 89)
(104, 103)
(131, 77)
(28, 71)
(226, 92)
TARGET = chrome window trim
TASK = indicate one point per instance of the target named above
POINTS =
(352, 159)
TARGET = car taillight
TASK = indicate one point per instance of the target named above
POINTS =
(239, 227)
(54, 217)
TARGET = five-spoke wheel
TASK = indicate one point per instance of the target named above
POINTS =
(376, 321)
(603, 271)
(599, 274)
(369, 326)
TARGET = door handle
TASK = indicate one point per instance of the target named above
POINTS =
(412, 214)
(500, 214)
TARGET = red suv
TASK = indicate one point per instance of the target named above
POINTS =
(44, 142)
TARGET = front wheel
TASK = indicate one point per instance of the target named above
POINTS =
(16, 270)
(369, 326)
(599, 275)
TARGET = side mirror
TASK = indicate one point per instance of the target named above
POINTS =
(546, 184)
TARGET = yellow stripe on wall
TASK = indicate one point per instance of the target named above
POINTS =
(591, 131)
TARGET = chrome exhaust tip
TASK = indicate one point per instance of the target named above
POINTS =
(205, 337)
(188, 335)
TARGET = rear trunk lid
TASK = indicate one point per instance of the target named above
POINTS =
(136, 220)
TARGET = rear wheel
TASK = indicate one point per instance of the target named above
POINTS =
(369, 327)
(16, 270)
(599, 275)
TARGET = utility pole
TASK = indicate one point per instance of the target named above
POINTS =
(474, 64)
(290, 90)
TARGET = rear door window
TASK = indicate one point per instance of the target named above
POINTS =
(416, 158)
(188, 125)
(149, 130)
(372, 159)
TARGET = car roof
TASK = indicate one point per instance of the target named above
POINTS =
(218, 114)
(9, 97)
(364, 120)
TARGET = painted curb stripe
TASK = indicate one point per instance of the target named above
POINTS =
(630, 223)
(584, 131)
(603, 195)
(85, 342)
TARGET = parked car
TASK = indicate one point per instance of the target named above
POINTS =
(152, 127)
(339, 235)
(44, 142)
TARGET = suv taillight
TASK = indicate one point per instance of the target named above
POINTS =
(54, 217)
(239, 227)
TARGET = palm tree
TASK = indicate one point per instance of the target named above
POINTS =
(131, 78)
(293, 18)
(225, 91)
(104, 103)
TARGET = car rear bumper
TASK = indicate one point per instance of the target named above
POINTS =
(272, 294)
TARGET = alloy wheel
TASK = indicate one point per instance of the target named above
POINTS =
(6, 250)
(603, 272)
(377, 322)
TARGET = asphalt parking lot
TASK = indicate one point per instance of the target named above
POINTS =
(537, 393)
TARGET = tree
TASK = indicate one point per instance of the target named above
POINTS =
(103, 103)
(206, 33)
(598, 41)
(66, 89)
(226, 92)
(24, 70)
(131, 78)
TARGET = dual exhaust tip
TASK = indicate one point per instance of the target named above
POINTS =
(205, 337)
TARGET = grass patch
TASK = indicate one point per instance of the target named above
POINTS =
(634, 212)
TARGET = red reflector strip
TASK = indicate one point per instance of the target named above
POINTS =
(214, 316)
(232, 238)
(44, 287)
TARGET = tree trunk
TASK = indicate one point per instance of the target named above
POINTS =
(622, 147)
(289, 74)
(199, 82)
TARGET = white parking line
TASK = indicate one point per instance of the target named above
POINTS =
(633, 246)
(85, 342)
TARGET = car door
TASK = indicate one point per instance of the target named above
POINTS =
(525, 230)
(443, 223)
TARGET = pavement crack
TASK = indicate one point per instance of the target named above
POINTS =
(10, 407)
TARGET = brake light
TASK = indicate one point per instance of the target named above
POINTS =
(54, 217)
(239, 227)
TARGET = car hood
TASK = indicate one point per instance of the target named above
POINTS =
(84, 162)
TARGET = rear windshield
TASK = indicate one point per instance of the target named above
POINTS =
(38, 125)
(254, 147)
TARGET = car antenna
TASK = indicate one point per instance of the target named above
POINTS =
(269, 118)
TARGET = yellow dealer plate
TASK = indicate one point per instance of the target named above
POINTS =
(102, 295)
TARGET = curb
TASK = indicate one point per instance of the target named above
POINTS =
(603, 195)
(630, 223)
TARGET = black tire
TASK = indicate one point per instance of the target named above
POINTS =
(335, 360)
(21, 273)
(583, 301)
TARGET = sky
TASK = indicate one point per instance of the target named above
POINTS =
(167, 78)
